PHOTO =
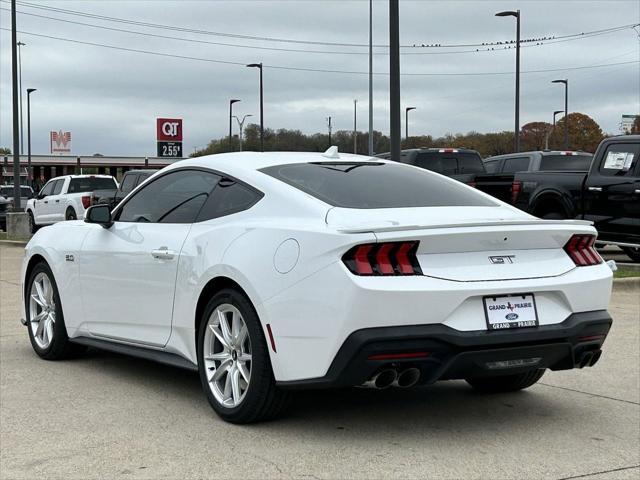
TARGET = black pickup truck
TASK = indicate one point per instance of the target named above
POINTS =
(499, 180)
(461, 164)
(130, 180)
(608, 194)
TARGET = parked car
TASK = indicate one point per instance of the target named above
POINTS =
(26, 193)
(608, 194)
(460, 164)
(273, 271)
(5, 205)
(501, 170)
(130, 180)
(65, 198)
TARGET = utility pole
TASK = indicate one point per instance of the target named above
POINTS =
(231, 102)
(14, 95)
(394, 79)
(566, 111)
(329, 125)
(516, 14)
(259, 66)
(29, 169)
(370, 77)
(406, 121)
(20, 44)
(355, 126)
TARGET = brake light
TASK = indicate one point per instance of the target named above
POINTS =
(472, 184)
(580, 249)
(86, 201)
(516, 188)
(378, 259)
(448, 150)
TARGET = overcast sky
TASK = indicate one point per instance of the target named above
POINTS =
(109, 98)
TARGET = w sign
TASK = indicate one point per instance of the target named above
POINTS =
(60, 142)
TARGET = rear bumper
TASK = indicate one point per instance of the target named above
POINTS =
(454, 354)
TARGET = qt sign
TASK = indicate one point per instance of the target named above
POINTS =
(169, 137)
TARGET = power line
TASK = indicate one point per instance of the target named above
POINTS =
(316, 70)
(310, 42)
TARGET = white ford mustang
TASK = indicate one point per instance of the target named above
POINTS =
(272, 271)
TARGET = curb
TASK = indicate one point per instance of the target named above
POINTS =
(15, 243)
(626, 284)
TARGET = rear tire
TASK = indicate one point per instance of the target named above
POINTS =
(71, 214)
(633, 253)
(259, 399)
(506, 383)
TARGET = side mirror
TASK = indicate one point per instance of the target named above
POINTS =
(40, 196)
(100, 214)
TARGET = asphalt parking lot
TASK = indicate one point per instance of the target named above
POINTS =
(109, 416)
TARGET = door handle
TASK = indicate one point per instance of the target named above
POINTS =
(57, 201)
(46, 201)
(163, 253)
(595, 189)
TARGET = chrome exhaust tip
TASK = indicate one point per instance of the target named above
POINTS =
(381, 380)
(407, 378)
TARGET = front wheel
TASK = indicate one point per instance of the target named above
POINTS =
(233, 361)
(633, 253)
(506, 383)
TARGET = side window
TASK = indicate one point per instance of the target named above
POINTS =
(492, 166)
(228, 197)
(176, 197)
(620, 160)
(46, 190)
(128, 182)
(57, 187)
(517, 164)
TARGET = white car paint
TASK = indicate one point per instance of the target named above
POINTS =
(116, 290)
(52, 208)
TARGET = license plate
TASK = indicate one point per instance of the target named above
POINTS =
(510, 311)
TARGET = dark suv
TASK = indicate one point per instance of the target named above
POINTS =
(460, 164)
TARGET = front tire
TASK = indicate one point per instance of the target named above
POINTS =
(633, 253)
(45, 320)
(32, 222)
(506, 383)
(233, 361)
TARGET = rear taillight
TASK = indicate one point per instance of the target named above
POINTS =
(516, 188)
(580, 249)
(378, 259)
(472, 184)
(86, 201)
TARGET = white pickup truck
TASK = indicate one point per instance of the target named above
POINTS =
(65, 198)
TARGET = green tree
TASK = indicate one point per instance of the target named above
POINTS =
(5, 151)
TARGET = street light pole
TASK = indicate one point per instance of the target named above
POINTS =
(30, 173)
(394, 79)
(566, 111)
(355, 126)
(231, 102)
(14, 98)
(406, 121)
(259, 65)
(241, 126)
(20, 45)
(546, 139)
(370, 77)
(517, 115)
(329, 127)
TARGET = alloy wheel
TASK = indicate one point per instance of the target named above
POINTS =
(42, 310)
(227, 355)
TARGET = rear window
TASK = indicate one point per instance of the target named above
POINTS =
(578, 163)
(7, 191)
(375, 185)
(89, 184)
(517, 164)
(450, 163)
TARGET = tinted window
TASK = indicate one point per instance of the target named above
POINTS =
(492, 166)
(7, 191)
(450, 163)
(513, 165)
(143, 176)
(375, 185)
(620, 160)
(469, 163)
(57, 187)
(577, 163)
(128, 182)
(46, 190)
(227, 198)
(89, 184)
(173, 198)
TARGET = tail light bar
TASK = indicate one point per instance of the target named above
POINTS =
(516, 188)
(86, 201)
(580, 249)
(383, 259)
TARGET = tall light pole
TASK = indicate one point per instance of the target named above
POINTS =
(517, 126)
(566, 111)
(370, 77)
(355, 126)
(20, 45)
(231, 102)
(29, 92)
(406, 121)
(14, 98)
(394, 79)
(546, 140)
(329, 127)
(259, 65)
(241, 126)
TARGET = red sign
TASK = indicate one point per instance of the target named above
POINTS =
(169, 129)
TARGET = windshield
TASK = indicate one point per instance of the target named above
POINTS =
(579, 163)
(375, 185)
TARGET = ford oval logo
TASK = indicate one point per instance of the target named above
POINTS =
(512, 316)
